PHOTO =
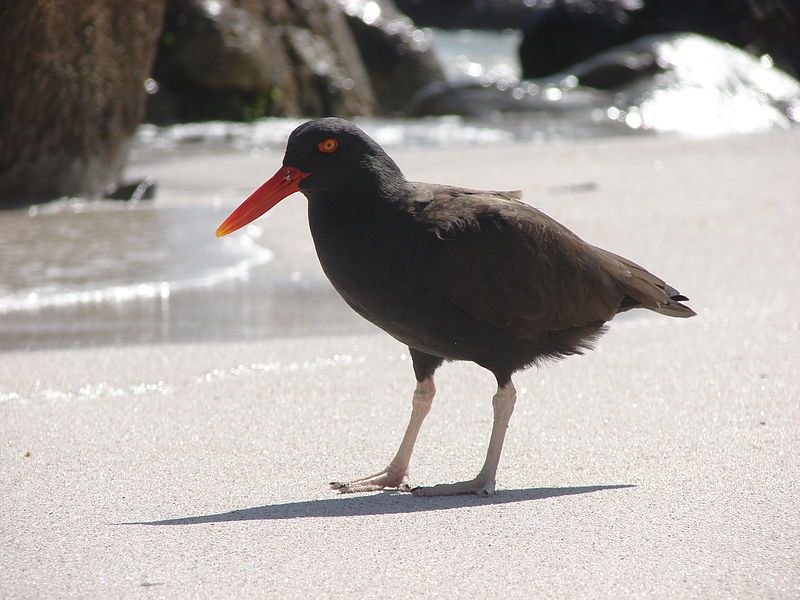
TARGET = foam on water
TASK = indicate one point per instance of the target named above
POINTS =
(272, 133)
(143, 253)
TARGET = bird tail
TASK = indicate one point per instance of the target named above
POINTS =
(645, 290)
(674, 308)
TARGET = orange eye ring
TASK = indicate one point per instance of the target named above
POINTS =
(327, 146)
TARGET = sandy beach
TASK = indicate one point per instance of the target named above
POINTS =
(663, 465)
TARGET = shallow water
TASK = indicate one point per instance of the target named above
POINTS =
(159, 250)
(470, 53)
(101, 273)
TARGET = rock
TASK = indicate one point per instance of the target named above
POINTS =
(133, 191)
(569, 31)
(328, 72)
(696, 85)
(565, 32)
(470, 14)
(620, 66)
(243, 59)
(71, 93)
(668, 83)
(476, 100)
(216, 60)
(397, 55)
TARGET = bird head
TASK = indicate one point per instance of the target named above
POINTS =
(322, 157)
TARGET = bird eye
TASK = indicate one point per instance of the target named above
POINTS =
(328, 146)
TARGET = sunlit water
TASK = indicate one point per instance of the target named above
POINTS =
(87, 273)
(142, 252)
(80, 272)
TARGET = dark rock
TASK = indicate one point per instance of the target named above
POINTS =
(243, 59)
(473, 99)
(133, 191)
(71, 93)
(570, 31)
(470, 14)
(565, 32)
(398, 56)
(619, 67)
(328, 72)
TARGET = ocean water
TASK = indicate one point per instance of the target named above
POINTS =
(80, 272)
(158, 248)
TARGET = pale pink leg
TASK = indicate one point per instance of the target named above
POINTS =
(484, 484)
(396, 474)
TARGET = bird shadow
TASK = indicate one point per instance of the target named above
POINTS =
(385, 503)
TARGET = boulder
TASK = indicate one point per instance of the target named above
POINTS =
(470, 14)
(72, 92)
(565, 32)
(569, 31)
(397, 55)
(487, 102)
(693, 84)
(243, 59)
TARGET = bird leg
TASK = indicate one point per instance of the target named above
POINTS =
(396, 474)
(484, 483)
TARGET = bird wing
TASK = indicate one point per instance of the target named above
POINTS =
(506, 263)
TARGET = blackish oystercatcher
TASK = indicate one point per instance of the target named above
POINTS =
(453, 273)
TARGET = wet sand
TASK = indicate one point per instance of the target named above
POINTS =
(664, 464)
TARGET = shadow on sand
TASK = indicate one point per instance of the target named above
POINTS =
(386, 503)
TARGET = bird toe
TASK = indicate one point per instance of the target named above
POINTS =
(480, 488)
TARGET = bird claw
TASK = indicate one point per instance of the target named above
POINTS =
(388, 478)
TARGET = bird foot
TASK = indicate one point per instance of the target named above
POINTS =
(388, 478)
(478, 486)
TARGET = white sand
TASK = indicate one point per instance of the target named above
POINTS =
(228, 464)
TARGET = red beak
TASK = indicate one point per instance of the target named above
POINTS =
(276, 188)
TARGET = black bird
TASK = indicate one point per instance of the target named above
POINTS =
(453, 273)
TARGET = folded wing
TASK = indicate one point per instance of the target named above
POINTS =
(508, 264)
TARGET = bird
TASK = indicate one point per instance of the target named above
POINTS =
(455, 274)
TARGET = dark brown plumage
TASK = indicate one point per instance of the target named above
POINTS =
(455, 274)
